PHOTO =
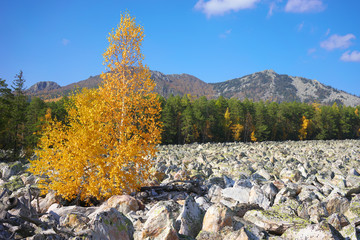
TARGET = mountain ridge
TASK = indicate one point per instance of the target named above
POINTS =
(265, 85)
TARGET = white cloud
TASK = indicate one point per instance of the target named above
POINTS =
(300, 26)
(327, 32)
(336, 41)
(271, 9)
(225, 34)
(300, 6)
(353, 56)
(65, 41)
(220, 7)
(273, 6)
(311, 51)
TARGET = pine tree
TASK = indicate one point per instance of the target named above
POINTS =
(18, 114)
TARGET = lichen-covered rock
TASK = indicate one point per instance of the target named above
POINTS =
(274, 221)
(290, 175)
(313, 232)
(353, 212)
(350, 233)
(217, 217)
(338, 221)
(190, 219)
(242, 234)
(335, 203)
(111, 225)
(14, 183)
(75, 221)
(161, 221)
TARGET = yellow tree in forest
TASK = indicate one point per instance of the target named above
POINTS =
(227, 124)
(304, 128)
(252, 136)
(237, 130)
(112, 132)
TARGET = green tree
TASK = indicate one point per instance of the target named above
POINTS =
(171, 119)
(34, 120)
(5, 114)
(18, 114)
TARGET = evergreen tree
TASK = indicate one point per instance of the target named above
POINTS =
(6, 98)
(18, 114)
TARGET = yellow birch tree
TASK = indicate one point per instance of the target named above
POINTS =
(112, 132)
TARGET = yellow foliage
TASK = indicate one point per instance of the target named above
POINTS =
(112, 132)
(316, 106)
(237, 130)
(252, 136)
(357, 112)
(304, 127)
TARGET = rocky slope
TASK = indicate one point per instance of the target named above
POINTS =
(42, 87)
(269, 190)
(265, 85)
(268, 85)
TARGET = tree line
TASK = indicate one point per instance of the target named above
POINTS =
(21, 118)
(188, 119)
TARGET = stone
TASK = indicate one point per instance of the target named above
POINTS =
(353, 212)
(335, 203)
(190, 219)
(290, 175)
(317, 211)
(111, 225)
(45, 203)
(123, 203)
(338, 221)
(350, 232)
(274, 221)
(313, 232)
(203, 203)
(217, 217)
(270, 191)
(242, 234)
(161, 221)
(57, 212)
(75, 221)
(258, 197)
(238, 193)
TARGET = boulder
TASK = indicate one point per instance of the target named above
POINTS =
(257, 196)
(161, 221)
(273, 221)
(217, 217)
(111, 225)
(313, 232)
(190, 219)
(123, 203)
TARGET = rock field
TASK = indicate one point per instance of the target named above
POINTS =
(232, 191)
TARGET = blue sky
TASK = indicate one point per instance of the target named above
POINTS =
(214, 40)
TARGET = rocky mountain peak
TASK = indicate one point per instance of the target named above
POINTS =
(43, 86)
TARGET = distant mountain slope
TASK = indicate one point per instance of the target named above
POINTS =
(43, 86)
(265, 85)
(268, 85)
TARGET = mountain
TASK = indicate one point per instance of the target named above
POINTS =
(265, 85)
(268, 85)
(43, 86)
